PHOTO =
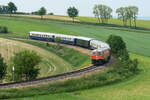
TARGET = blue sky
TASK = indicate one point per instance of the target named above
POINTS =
(85, 7)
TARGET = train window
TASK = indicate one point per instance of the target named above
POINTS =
(100, 53)
(94, 53)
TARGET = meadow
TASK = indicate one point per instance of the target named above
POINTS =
(50, 57)
(134, 88)
(145, 24)
(137, 42)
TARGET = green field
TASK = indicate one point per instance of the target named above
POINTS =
(48, 65)
(50, 57)
(140, 23)
(135, 88)
(137, 42)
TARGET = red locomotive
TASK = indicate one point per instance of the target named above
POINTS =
(100, 56)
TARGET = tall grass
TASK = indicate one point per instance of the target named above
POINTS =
(134, 88)
(75, 58)
(86, 82)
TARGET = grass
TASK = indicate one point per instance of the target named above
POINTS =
(140, 23)
(135, 88)
(73, 57)
(48, 66)
(137, 42)
(50, 57)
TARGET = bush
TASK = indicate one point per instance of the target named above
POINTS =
(118, 47)
(25, 63)
(124, 65)
(51, 13)
(3, 29)
(3, 68)
(58, 41)
(134, 66)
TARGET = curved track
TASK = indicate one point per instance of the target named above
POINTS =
(57, 77)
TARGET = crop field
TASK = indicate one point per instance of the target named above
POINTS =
(137, 42)
(48, 66)
(115, 21)
(135, 88)
(63, 18)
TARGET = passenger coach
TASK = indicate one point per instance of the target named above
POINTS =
(83, 42)
(42, 36)
(66, 39)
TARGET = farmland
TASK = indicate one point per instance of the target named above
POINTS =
(137, 87)
(140, 23)
(137, 42)
(9, 47)
(49, 65)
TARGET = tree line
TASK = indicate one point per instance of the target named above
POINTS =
(8, 9)
(102, 12)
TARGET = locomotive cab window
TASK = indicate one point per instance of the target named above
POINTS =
(94, 53)
(100, 53)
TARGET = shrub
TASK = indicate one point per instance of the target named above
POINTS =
(134, 66)
(51, 13)
(124, 65)
(3, 68)
(118, 47)
(25, 63)
(58, 41)
(3, 29)
(102, 76)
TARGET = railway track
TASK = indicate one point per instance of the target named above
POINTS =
(58, 77)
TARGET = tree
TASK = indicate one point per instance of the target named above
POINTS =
(122, 15)
(51, 13)
(118, 47)
(3, 9)
(11, 8)
(96, 12)
(25, 63)
(129, 15)
(3, 68)
(58, 41)
(102, 12)
(3, 29)
(42, 12)
(134, 10)
(72, 12)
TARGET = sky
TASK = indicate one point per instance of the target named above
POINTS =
(85, 7)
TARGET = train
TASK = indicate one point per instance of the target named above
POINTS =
(100, 50)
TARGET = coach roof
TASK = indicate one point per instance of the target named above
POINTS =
(85, 38)
(41, 33)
